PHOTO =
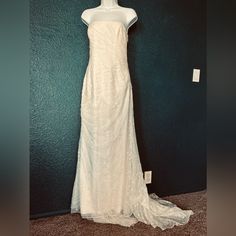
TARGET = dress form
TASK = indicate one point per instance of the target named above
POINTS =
(109, 186)
(109, 10)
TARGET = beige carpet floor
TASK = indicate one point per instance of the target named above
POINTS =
(74, 225)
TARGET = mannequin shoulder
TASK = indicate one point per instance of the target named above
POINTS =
(86, 15)
(131, 12)
(131, 16)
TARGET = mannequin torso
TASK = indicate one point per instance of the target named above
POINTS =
(109, 10)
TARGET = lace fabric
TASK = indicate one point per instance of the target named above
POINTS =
(109, 185)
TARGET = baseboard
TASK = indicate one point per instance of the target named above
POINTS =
(51, 213)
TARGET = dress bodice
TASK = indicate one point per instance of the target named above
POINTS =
(108, 42)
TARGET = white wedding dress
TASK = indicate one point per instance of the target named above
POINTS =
(109, 186)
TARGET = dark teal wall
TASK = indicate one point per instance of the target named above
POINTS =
(164, 46)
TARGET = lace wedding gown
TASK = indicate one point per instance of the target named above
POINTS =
(109, 186)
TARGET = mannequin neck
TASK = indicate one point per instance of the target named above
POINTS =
(109, 3)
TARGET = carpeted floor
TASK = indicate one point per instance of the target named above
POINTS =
(74, 225)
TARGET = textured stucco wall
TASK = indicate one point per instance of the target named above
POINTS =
(164, 46)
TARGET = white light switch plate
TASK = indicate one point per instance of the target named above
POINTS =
(148, 177)
(196, 75)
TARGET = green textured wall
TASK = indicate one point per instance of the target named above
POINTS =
(164, 46)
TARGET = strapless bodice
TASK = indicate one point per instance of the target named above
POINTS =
(108, 43)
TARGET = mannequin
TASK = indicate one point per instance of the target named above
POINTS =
(109, 10)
